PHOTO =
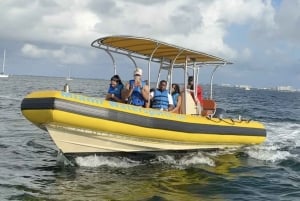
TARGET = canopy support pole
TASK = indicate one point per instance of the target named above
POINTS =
(211, 81)
(149, 67)
(113, 60)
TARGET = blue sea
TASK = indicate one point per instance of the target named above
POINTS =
(32, 169)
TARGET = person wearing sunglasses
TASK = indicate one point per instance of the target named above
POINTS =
(114, 92)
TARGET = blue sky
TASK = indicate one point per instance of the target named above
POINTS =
(261, 37)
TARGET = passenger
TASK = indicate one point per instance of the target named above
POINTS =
(199, 90)
(137, 90)
(161, 99)
(115, 89)
(151, 90)
(176, 96)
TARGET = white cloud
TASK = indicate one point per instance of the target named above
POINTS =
(52, 29)
(246, 54)
(288, 21)
(65, 55)
(64, 22)
(195, 24)
(33, 51)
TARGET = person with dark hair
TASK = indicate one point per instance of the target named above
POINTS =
(176, 96)
(199, 97)
(114, 92)
(161, 99)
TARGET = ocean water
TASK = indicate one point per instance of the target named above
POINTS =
(31, 167)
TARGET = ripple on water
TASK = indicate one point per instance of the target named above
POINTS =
(29, 169)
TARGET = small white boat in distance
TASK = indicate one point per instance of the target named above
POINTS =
(2, 74)
(69, 75)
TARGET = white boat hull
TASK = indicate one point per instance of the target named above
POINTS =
(71, 140)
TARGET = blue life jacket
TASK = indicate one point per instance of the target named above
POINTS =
(136, 97)
(160, 99)
(175, 97)
(117, 91)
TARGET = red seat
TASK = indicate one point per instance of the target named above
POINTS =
(208, 107)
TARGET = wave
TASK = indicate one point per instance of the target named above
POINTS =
(178, 160)
(282, 142)
(283, 133)
(8, 97)
(269, 153)
(189, 159)
(96, 161)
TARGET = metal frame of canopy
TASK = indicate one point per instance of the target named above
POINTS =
(169, 56)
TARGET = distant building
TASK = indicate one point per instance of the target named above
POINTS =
(246, 87)
(285, 88)
(226, 85)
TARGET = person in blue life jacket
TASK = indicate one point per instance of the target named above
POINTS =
(177, 98)
(114, 92)
(137, 90)
(161, 99)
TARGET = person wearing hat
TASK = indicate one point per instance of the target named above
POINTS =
(199, 90)
(137, 90)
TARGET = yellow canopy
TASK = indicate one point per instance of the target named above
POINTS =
(145, 47)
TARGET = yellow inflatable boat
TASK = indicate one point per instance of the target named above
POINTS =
(79, 124)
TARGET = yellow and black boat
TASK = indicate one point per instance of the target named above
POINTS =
(79, 124)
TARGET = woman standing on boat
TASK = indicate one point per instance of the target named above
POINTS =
(115, 89)
(199, 97)
(137, 90)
